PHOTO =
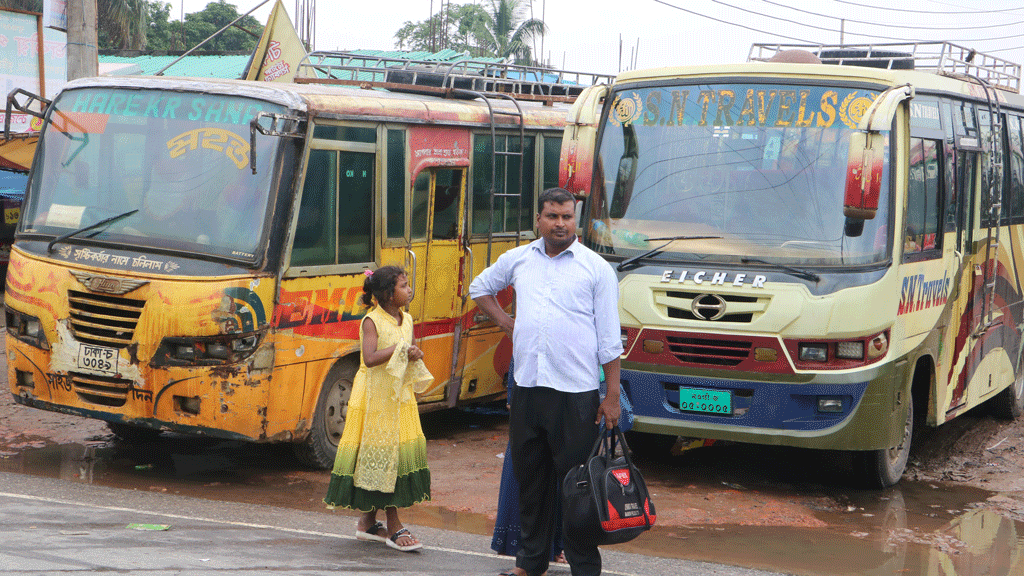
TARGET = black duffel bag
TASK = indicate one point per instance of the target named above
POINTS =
(606, 499)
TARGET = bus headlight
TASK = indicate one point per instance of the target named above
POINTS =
(838, 354)
(26, 328)
(816, 352)
(206, 350)
(850, 350)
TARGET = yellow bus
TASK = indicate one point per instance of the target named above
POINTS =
(818, 248)
(191, 252)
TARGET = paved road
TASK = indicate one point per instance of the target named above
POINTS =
(53, 527)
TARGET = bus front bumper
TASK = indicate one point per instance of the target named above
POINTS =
(777, 413)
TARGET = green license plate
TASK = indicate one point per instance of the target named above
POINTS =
(710, 401)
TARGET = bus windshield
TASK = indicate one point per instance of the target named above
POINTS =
(728, 172)
(179, 160)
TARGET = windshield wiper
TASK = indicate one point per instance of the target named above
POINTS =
(49, 247)
(654, 251)
(806, 275)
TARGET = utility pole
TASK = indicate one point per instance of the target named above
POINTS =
(83, 57)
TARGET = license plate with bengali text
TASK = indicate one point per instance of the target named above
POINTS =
(708, 401)
(98, 359)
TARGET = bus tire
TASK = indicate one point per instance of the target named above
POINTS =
(321, 445)
(884, 468)
(1009, 403)
(130, 433)
(648, 446)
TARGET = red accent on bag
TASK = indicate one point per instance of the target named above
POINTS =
(614, 522)
(622, 476)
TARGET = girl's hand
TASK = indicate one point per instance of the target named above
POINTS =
(414, 352)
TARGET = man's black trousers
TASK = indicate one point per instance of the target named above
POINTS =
(551, 432)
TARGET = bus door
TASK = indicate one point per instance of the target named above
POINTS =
(438, 198)
(967, 308)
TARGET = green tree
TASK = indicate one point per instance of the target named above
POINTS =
(508, 32)
(122, 27)
(162, 33)
(24, 5)
(501, 31)
(201, 25)
(122, 24)
(457, 30)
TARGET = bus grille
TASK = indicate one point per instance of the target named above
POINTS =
(101, 390)
(709, 352)
(737, 308)
(104, 320)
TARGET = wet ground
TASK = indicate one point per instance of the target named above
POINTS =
(958, 512)
(770, 508)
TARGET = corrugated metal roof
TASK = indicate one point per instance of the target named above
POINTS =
(233, 65)
(446, 55)
(194, 66)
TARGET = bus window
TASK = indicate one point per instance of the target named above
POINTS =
(923, 198)
(396, 184)
(314, 236)
(506, 209)
(355, 222)
(326, 235)
(420, 197)
(448, 186)
(552, 149)
(345, 133)
(964, 123)
(1015, 170)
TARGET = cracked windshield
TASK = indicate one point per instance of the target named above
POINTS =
(165, 170)
(732, 171)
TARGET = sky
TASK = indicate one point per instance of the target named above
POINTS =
(610, 36)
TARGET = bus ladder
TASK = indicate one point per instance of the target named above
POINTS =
(495, 154)
(995, 172)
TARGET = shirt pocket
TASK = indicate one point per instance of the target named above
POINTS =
(575, 289)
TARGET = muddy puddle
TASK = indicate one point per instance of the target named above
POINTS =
(923, 529)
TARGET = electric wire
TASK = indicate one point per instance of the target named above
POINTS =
(734, 24)
(844, 32)
(890, 25)
(805, 25)
(928, 11)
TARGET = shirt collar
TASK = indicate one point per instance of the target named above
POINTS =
(573, 248)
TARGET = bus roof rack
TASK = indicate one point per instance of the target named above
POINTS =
(445, 78)
(938, 57)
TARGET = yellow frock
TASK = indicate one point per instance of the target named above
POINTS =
(382, 455)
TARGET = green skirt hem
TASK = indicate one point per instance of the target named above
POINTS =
(410, 489)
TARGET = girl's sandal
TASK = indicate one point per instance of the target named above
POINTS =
(392, 541)
(374, 533)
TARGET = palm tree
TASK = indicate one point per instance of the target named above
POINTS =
(507, 33)
(124, 23)
(26, 5)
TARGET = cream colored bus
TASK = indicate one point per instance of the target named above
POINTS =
(822, 255)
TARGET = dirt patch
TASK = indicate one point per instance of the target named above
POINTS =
(976, 450)
(716, 486)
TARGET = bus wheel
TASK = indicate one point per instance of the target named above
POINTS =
(130, 433)
(1009, 404)
(648, 446)
(320, 447)
(884, 468)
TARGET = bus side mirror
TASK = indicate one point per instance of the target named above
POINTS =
(864, 175)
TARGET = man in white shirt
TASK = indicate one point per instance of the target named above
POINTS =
(566, 325)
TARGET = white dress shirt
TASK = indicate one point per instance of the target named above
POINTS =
(567, 314)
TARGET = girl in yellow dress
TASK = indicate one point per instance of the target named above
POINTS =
(382, 455)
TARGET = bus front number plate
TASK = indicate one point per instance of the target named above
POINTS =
(97, 359)
(708, 401)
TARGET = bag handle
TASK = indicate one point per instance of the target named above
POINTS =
(616, 432)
